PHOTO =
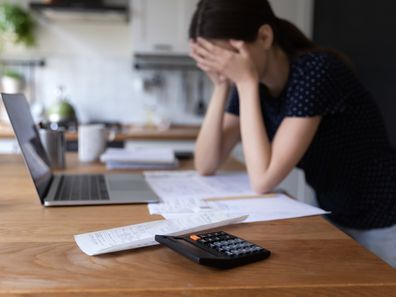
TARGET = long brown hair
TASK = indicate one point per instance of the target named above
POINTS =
(241, 20)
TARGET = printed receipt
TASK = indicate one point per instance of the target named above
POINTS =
(141, 235)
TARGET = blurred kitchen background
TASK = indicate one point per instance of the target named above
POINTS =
(125, 62)
(120, 60)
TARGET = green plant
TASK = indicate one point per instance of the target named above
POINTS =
(13, 74)
(17, 23)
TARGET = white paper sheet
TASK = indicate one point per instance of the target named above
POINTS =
(259, 209)
(179, 205)
(139, 155)
(173, 185)
(140, 235)
(143, 166)
(267, 209)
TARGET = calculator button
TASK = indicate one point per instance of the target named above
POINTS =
(195, 237)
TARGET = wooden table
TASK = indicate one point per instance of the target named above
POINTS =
(38, 256)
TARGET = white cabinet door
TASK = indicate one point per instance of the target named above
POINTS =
(161, 26)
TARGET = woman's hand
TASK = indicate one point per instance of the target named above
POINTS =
(217, 79)
(235, 63)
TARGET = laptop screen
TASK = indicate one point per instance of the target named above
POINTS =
(29, 141)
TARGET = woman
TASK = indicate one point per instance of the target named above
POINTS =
(294, 104)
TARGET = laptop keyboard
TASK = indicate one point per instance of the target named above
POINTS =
(82, 187)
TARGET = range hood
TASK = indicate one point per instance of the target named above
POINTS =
(163, 62)
(103, 10)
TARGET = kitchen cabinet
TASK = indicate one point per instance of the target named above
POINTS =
(160, 27)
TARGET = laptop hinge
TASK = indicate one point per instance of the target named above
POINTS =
(54, 187)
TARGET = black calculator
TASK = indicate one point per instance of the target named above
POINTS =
(216, 249)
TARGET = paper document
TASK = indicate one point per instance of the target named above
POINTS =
(139, 155)
(132, 165)
(259, 209)
(267, 209)
(186, 193)
(179, 205)
(135, 236)
(172, 185)
(139, 158)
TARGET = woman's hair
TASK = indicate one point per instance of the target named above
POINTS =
(241, 20)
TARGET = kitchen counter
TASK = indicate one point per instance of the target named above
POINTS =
(131, 132)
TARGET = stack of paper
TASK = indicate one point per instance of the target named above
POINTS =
(188, 184)
(139, 158)
(141, 235)
(261, 208)
(185, 193)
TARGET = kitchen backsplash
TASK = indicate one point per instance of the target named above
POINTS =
(108, 89)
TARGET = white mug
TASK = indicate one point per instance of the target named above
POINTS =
(92, 140)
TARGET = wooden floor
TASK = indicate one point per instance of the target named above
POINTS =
(38, 256)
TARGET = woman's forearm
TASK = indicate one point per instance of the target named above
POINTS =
(208, 147)
(256, 145)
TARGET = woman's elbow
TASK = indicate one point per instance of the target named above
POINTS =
(261, 187)
(205, 170)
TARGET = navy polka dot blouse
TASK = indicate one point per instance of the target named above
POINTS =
(350, 163)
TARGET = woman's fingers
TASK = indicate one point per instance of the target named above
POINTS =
(210, 56)
(203, 52)
(198, 49)
(203, 67)
(201, 60)
(210, 47)
(209, 65)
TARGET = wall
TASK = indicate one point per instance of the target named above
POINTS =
(300, 12)
(372, 49)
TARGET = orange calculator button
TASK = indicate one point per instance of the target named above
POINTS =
(195, 237)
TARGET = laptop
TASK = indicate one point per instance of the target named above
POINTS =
(66, 189)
